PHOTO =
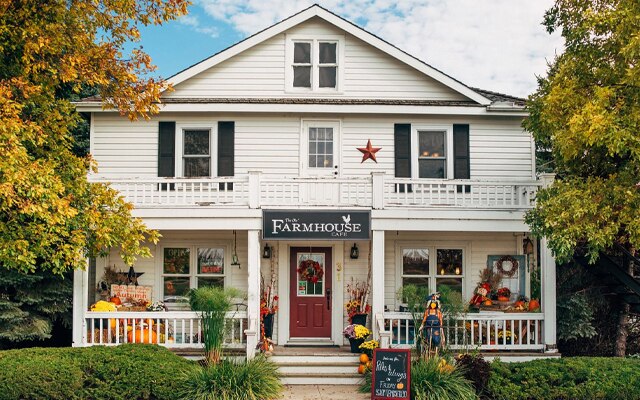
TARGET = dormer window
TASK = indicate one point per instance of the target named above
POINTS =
(314, 65)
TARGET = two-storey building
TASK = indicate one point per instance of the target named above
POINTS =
(315, 139)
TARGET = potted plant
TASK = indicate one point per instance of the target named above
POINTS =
(356, 334)
(358, 307)
(268, 308)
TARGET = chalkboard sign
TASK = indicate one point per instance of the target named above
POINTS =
(391, 376)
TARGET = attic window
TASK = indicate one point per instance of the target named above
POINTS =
(314, 65)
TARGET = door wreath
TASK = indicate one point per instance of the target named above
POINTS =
(510, 272)
(310, 271)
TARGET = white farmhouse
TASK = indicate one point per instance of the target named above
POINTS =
(317, 140)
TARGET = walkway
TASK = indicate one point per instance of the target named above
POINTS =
(317, 392)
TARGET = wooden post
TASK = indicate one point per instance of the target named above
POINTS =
(377, 179)
(80, 298)
(253, 291)
(548, 282)
(254, 189)
(377, 279)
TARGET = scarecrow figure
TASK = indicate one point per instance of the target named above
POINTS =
(431, 326)
(481, 294)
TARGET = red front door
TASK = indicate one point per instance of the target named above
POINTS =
(310, 308)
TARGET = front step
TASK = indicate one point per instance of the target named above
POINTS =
(316, 369)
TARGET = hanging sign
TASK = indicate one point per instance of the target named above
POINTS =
(316, 225)
(391, 375)
(132, 292)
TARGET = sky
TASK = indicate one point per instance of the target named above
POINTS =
(497, 45)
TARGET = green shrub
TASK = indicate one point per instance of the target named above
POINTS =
(433, 380)
(475, 369)
(567, 378)
(133, 371)
(255, 379)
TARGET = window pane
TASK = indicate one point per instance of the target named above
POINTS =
(432, 168)
(431, 144)
(415, 261)
(196, 142)
(176, 261)
(328, 53)
(454, 284)
(312, 161)
(302, 53)
(196, 166)
(313, 133)
(327, 76)
(302, 77)
(449, 262)
(211, 282)
(308, 287)
(321, 148)
(420, 282)
(176, 286)
(211, 261)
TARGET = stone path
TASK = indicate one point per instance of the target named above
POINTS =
(316, 392)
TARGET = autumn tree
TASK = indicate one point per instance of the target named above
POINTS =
(51, 217)
(586, 111)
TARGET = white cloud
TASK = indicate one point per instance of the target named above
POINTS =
(194, 22)
(497, 45)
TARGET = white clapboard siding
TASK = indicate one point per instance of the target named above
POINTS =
(260, 72)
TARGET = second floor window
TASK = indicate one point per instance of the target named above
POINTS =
(196, 158)
(432, 156)
(315, 64)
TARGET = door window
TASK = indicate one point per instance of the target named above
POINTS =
(320, 147)
(311, 274)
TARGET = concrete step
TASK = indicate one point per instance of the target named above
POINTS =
(317, 369)
(321, 379)
(309, 369)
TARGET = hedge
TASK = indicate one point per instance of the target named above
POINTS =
(566, 378)
(132, 371)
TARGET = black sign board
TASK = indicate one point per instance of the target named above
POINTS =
(391, 376)
(316, 225)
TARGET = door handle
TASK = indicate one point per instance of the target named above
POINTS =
(328, 299)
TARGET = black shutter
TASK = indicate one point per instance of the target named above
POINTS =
(461, 164)
(226, 158)
(402, 145)
(166, 151)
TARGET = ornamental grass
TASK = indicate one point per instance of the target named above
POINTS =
(256, 379)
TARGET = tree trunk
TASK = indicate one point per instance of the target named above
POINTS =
(623, 320)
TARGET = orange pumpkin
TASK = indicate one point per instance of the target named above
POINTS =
(488, 302)
(364, 358)
(142, 336)
(503, 298)
(518, 303)
(534, 305)
(115, 300)
(361, 368)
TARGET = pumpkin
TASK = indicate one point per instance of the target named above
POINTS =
(142, 336)
(364, 358)
(518, 304)
(115, 300)
(534, 305)
(488, 302)
(361, 369)
(503, 298)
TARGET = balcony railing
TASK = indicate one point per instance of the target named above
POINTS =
(377, 191)
(483, 331)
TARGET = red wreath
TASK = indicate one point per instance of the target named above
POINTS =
(310, 271)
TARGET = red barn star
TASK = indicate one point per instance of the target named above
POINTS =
(369, 152)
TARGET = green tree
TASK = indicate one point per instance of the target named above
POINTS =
(586, 111)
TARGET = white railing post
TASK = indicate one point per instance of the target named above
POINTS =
(254, 189)
(253, 287)
(547, 179)
(385, 335)
(377, 190)
(548, 283)
(80, 298)
(377, 277)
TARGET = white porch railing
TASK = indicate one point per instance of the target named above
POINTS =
(175, 329)
(483, 331)
(377, 191)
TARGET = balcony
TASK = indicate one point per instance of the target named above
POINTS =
(377, 192)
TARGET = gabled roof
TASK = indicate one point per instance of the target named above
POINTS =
(318, 11)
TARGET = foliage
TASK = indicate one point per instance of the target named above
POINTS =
(586, 112)
(31, 303)
(356, 331)
(51, 217)
(254, 379)
(475, 369)
(358, 298)
(566, 378)
(213, 303)
(433, 379)
(123, 372)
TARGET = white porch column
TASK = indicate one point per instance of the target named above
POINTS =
(548, 282)
(253, 291)
(80, 297)
(377, 279)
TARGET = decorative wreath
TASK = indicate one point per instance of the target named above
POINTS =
(510, 272)
(310, 271)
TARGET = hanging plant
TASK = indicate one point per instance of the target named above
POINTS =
(511, 262)
(310, 271)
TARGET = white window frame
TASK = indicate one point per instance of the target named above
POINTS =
(433, 248)
(193, 263)
(213, 147)
(305, 124)
(315, 63)
(448, 148)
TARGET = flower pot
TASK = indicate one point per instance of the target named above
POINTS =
(360, 319)
(268, 321)
(355, 345)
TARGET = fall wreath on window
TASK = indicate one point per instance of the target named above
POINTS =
(510, 271)
(310, 271)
